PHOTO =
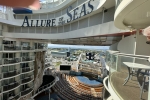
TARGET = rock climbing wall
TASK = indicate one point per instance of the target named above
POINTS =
(38, 73)
(39, 69)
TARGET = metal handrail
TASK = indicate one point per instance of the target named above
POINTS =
(27, 48)
(46, 4)
(11, 47)
(26, 91)
(27, 79)
(10, 73)
(45, 87)
(10, 60)
(11, 86)
(27, 58)
(26, 69)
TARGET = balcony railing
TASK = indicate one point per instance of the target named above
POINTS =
(10, 73)
(0, 90)
(27, 69)
(128, 75)
(11, 60)
(41, 47)
(1, 62)
(27, 48)
(10, 86)
(28, 58)
(26, 91)
(51, 4)
(3, 15)
(1, 33)
(12, 97)
(27, 79)
(17, 97)
(11, 47)
(45, 87)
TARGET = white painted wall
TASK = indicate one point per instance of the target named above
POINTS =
(100, 29)
(142, 47)
(114, 47)
(127, 45)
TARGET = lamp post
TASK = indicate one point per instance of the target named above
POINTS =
(49, 94)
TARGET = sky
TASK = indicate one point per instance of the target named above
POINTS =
(78, 47)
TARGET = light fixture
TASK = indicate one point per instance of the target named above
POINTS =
(129, 26)
(131, 30)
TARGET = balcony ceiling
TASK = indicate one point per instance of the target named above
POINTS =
(139, 17)
(105, 40)
(133, 14)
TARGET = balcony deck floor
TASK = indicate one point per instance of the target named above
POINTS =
(130, 91)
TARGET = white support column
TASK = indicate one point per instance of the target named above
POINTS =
(136, 43)
(103, 16)
(149, 89)
(49, 94)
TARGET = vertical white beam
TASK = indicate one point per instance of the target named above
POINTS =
(136, 43)
(149, 88)
(103, 16)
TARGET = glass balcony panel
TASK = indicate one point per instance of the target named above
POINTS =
(27, 79)
(11, 60)
(131, 89)
(28, 58)
(1, 33)
(42, 47)
(11, 47)
(51, 3)
(3, 15)
(16, 97)
(0, 89)
(0, 62)
(12, 96)
(27, 69)
(11, 86)
(11, 73)
(26, 91)
(27, 48)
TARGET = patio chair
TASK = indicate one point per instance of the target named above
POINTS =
(145, 83)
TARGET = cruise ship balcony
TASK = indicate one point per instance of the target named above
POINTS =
(11, 86)
(11, 60)
(9, 47)
(128, 75)
(0, 62)
(3, 15)
(26, 91)
(27, 69)
(13, 96)
(28, 58)
(27, 48)
(11, 73)
(51, 4)
(1, 33)
(27, 79)
(40, 46)
(0, 91)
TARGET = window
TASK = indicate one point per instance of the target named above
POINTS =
(9, 55)
(25, 44)
(24, 54)
(9, 42)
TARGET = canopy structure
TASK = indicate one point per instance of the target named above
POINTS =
(22, 11)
